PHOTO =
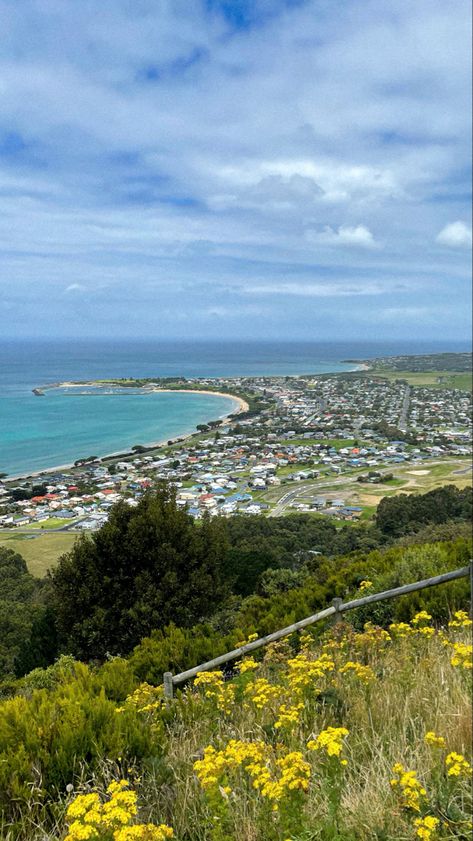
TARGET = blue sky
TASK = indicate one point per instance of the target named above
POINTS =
(235, 168)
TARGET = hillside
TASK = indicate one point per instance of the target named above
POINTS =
(91, 749)
(352, 735)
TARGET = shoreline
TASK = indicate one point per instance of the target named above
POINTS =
(242, 406)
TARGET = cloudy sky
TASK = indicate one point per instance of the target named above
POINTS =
(235, 168)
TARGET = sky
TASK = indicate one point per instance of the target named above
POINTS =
(231, 169)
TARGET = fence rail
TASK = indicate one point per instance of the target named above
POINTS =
(338, 607)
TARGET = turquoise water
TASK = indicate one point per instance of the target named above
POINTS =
(41, 432)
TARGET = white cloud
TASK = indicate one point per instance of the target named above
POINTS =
(318, 290)
(74, 287)
(455, 235)
(358, 236)
(158, 149)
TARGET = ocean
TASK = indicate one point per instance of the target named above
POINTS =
(41, 432)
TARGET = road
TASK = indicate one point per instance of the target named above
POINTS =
(39, 530)
(405, 409)
(347, 479)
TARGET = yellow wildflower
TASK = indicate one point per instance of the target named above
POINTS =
(425, 827)
(400, 629)
(460, 620)
(330, 741)
(144, 832)
(249, 664)
(420, 618)
(288, 715)
(408, 787)
(431, 738)
(363, 673)
(457, 765)
(365, 585)
(303, 672)
(208, 679)
(95, 819)
(261, 692)
(145, 698)
(82, 804)
(462, 655)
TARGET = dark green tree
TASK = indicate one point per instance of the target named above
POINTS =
(19, 598)
(147, 566)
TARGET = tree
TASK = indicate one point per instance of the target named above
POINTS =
(147, 566)
(19, 593)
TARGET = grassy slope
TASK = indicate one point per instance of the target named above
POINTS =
(40, 553)
(382, 731)
(410, 688)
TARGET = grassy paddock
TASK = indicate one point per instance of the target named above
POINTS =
(433, 379)
(42, 552)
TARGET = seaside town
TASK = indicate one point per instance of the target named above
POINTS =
(332, 445)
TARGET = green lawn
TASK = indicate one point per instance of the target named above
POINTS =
(52, 523)
(42, 552)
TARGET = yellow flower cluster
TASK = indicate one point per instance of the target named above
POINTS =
(426, 827)
(144, 699)
(421, 618)
(364, 673)
(144, 832)
(249, 664)
(209, 680)
(217, 690)
(400, 629)
(371, 637)
(460, 620)
(330, 741)
(431, 738)
(90, 819)
(457, 765)
(408, 787)
(462, 655)
(306, 641)
(290, 773)
(261, 693)
(302, 671)
(365, 585)
(417, 626)
(289, 715)
(251, 638)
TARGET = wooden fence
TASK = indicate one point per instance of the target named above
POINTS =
(337, 608)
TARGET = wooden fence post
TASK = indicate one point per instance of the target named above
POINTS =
(337, 615)
(168, 685)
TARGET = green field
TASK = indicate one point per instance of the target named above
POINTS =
(40, 553)
(434, 379)
(52, 523)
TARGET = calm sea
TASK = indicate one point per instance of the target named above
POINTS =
(40, 432)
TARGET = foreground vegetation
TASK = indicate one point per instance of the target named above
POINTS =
(352, 735)
(325, 736)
